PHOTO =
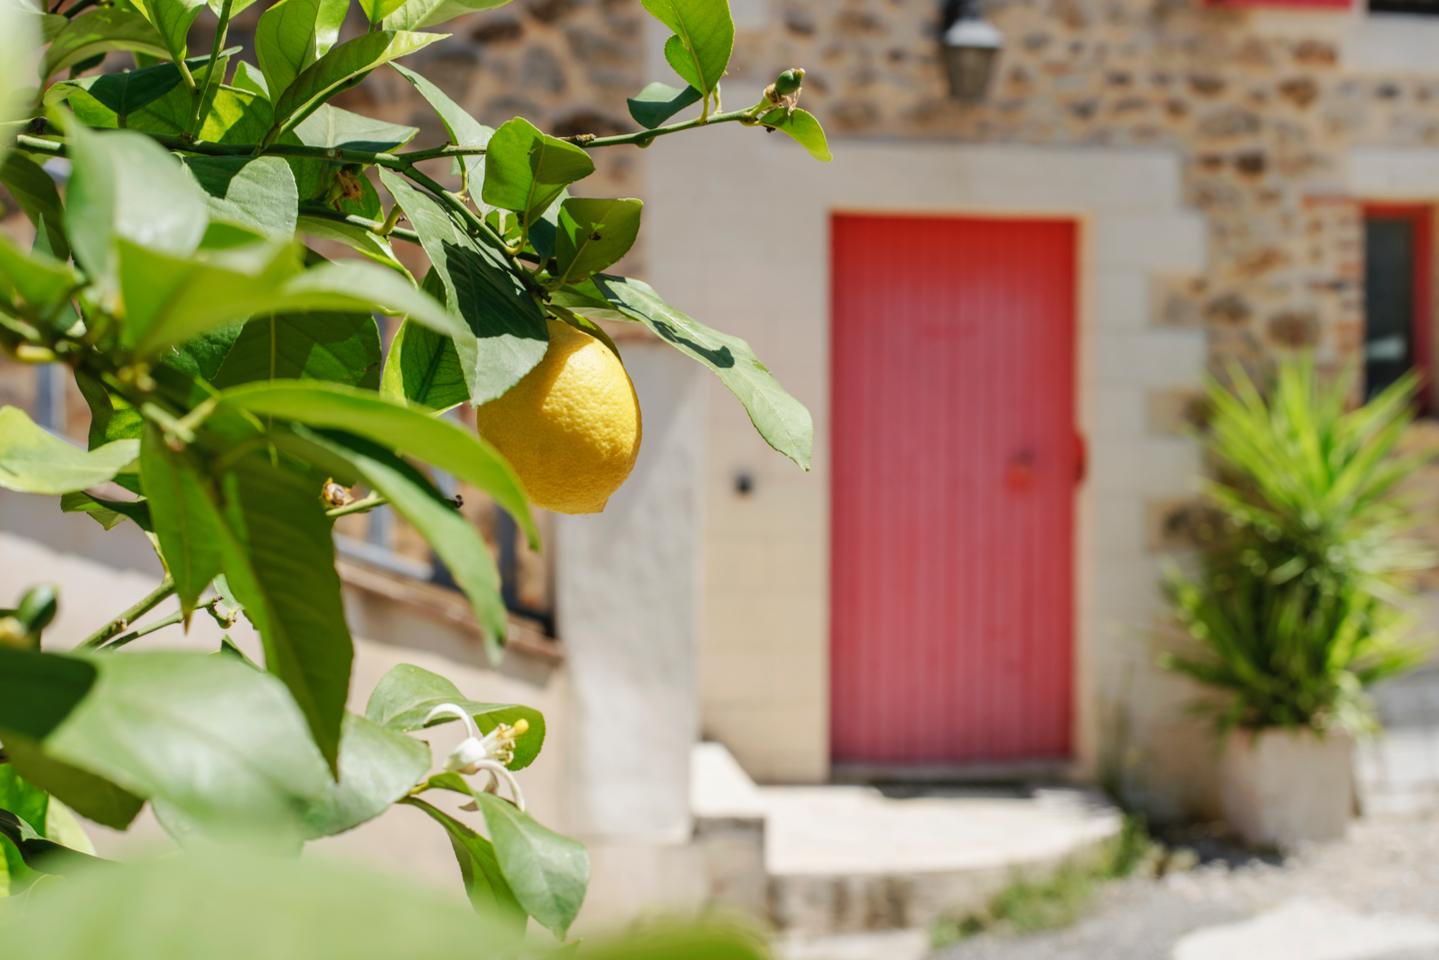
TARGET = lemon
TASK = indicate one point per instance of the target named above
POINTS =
(571, 427)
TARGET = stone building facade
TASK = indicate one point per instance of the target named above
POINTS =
(1219, 159)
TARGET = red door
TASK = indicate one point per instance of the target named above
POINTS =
(955, 462)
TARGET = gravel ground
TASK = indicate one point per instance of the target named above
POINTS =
(1387, 866)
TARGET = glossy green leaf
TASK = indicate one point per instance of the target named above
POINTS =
(594, 234)
(419, 14)
(231, 905)
(484, 882)
(404, 697)
(35, 283)
(34, 190)
(247, 77)
(171, 299)
(280, 561)
(209, 736)
(802, 126)
(547, 872)
(292, 34)
(377, 10)
(342, 66)
(453, 538)
(254, 192)
(781, 419)
(124, 185)
(108, 512)
(21, 34)
(185, 523)
(100, 30)
(377, 768)
(25, 849)
(359, 239)
(703, 39)
(88, 793)
(330, 126)
(232, 115)
(507, 328)
(424, 368)
(335, 347)
(173, 20)
(463, 129)
(410, 432)
(32, 460)
(526, 170)
(658, 102)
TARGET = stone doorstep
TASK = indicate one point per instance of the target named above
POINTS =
(817, 861)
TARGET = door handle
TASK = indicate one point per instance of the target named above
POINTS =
(1019, 475)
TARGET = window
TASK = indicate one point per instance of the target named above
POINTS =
(1425, 7)
(1398, 267)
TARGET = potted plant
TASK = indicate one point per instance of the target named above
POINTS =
(1296, 604)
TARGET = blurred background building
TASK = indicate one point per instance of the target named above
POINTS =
(1000, 302)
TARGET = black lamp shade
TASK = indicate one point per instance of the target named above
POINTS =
(970, 47)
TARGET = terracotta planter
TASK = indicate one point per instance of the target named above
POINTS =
(1286, 788)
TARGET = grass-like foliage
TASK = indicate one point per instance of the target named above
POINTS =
(1298, 602)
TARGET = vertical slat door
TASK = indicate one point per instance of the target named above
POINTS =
(955, 461)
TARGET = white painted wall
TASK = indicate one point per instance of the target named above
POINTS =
(741, 241)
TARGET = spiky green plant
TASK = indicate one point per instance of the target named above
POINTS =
(1298, 602)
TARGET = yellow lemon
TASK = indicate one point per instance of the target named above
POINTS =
(571, 428)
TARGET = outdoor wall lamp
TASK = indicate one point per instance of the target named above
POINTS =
(970, 46)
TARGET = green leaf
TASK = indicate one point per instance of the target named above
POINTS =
(658, 102)
(453, 538)
(703, 39)
(93, 796)
(336, 347)
(342, 66)
(377, 768)
(802, 126)
(232, 905)
(33, 851)
(185, 523)
(100, 30)
(418, 14)
(173, 20)
(124, 185)
(410, 432)
(508, 336)
(423, 368)
(526, 170)
(376, 11)
(254, 192)
(280, 562)
(34, 190)
(33, 460)
(547, 872)
(172, 299)
(363, 241)
(781, 419)
(35, 282)
(107, 512)
(211, 737)
(250, 78)
(479, 869)
(293, 34)
(232, 115)
(329, 126)
(404, 697)
(593, 234)
(463, 129)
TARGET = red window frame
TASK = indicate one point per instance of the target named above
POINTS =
(1420, 217)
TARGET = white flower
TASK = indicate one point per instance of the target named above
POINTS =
(489, 754)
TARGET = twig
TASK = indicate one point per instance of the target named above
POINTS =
(132, 613)
(359, 506)
(149, 628)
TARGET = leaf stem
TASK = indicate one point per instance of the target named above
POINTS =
(359, 506)
(212, 77)
(149, 628)
(130, 614)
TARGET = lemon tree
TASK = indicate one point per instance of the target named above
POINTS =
(179, 192)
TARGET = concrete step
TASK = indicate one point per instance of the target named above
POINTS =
(850, 859)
